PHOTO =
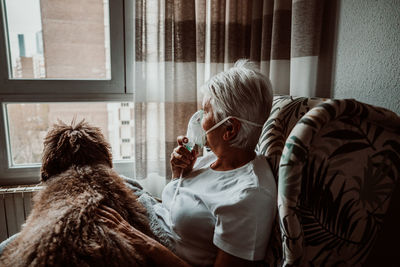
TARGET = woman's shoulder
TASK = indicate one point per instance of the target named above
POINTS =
(258, 182)
(255, 178)
(257, 173)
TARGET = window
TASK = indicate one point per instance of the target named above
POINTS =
(76, 39)
(27, 125)
(59, 60)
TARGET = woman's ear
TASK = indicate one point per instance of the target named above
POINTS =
(232, 130)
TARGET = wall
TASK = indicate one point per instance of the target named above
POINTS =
(367, 61)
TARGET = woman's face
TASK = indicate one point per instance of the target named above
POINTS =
(214, 138)
(208, 117)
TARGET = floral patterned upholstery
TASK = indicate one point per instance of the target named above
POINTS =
(339, 167)
(337, 163)
(286, 112)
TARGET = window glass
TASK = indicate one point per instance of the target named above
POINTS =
(63, 39)
(29, 123)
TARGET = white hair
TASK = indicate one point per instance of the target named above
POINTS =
(241, 91)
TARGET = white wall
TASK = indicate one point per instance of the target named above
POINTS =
(367, 62)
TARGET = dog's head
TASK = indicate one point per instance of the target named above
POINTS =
(76, 144)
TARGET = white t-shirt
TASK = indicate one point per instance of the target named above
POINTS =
(232, 210)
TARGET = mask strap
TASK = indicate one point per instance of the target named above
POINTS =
(217, 125)
(249, 122)
(230, 117)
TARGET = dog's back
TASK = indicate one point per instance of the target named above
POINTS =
(64, 229)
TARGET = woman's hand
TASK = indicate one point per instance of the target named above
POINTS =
(143, 243)
(182, 159)
(114, 220)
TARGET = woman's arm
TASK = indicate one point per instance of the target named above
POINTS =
(158, 253)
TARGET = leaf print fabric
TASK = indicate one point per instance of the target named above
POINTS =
(339, 167)
(286, 112)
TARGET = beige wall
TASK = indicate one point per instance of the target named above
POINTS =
(367, 61)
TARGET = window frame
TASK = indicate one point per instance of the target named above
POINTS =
(118, 88)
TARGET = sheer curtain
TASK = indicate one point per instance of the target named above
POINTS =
(182, 43)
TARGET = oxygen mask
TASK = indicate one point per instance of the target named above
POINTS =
(195, 132)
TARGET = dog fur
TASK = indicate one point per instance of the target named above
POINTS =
(63, 228)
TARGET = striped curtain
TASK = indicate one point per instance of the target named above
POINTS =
(182, 43)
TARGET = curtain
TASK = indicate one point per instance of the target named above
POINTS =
(181, 43)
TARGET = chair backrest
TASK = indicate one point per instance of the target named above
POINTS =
(339, 168)
(285, 113)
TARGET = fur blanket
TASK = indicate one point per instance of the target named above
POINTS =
(146, 200)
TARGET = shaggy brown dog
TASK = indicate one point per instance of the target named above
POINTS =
(63, 228)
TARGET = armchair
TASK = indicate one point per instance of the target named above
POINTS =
(337, 164)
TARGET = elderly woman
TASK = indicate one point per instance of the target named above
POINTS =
(222, 211)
